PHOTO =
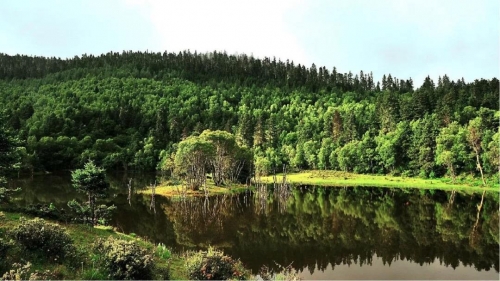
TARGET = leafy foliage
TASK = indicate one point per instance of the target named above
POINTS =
(5, 193)
(45, 211)
(8, 159)
(124, 259)
(191, 160)
(92, 181)
(133, 109)
(24, 272)
(163, 252)
(48, 239)
(213, 151)
(214, 265)
(82, 213)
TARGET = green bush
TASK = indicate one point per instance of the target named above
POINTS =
(163, 252)
(214, 265)
(6, 193)
(103, 214)
(82, 213)
(45, 211)
(162, 271)
(49, 239)
(124, 259)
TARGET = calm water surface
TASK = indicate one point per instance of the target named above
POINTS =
(325, 233)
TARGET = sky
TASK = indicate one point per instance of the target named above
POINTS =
(406, 38)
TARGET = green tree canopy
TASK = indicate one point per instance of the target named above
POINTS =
(90, 180)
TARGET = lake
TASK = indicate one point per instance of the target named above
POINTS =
(323, 232)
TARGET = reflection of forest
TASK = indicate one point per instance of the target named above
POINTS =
(343, 226)
(56, 188)
(307, 226)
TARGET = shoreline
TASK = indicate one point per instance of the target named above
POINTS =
(170, 190)
(326, 179)
(342, 179)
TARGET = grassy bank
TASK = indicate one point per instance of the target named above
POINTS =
(96, 253)
(336, 178)
(176, 189)
(83, 263)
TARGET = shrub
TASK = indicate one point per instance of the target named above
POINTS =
(124, 259)
(45, 211)
(283, 273)
(163, 252)
(23, 272)
(48, 238)
(214, 265)
(103, 214)
(6, 193)
(162, 271)
(82, 213)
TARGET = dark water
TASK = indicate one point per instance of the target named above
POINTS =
(325, 233)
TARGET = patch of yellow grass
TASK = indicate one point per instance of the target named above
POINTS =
(336, 178)
(176, 190)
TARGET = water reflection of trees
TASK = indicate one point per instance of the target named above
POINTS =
(320, 226)
(56, 188)
(307, 226)
(202, 218)
(266, 195)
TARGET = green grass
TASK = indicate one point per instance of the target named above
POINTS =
(83, 237)
(338, 179)
(166, 263)
(335, 178)
(174, 189)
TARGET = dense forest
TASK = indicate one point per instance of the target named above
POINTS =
(130, 110)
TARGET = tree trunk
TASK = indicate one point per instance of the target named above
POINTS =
(92, 208)
(479, 208)
(452, 171)
(479, 167)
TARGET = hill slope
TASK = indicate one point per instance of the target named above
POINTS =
(124, 109)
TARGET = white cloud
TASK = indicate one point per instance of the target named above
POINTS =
(251, 27)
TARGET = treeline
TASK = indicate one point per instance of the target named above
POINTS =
(200, 68)
(129, 111)
(242, 70)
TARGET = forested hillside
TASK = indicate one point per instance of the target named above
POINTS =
(129, 110)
